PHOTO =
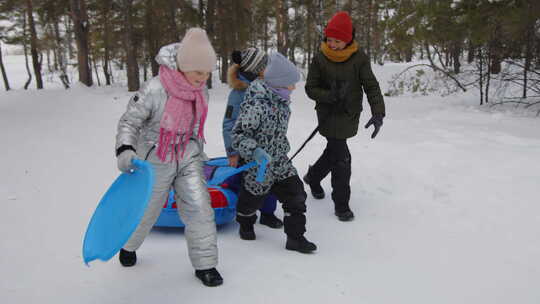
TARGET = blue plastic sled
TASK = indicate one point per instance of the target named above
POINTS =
(118, 213)
(223, 185)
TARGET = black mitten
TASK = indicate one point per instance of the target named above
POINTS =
(377, 121)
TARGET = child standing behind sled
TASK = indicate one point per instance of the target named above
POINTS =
(249, 65)
(164, 124)
(260, 134)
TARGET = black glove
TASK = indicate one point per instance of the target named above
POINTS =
(338, 94)
(377, 121)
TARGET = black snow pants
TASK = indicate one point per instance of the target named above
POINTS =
(336, 159)
(290, 192)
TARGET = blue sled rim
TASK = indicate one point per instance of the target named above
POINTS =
(100, 214)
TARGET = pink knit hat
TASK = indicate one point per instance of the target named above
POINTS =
(195, 52)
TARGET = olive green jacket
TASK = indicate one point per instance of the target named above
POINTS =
(342, 121)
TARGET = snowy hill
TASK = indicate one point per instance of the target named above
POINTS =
(446, 204)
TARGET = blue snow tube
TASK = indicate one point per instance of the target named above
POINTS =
(223, 186)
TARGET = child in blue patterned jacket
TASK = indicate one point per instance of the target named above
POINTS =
(260, 134)
(249, 65)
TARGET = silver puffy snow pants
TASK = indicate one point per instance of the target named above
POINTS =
(193, 203)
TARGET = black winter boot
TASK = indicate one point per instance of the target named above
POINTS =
(209, 277)
(247, 232)
(345, 216)
(316, 190)
(270, 220)
(246, 226)
(300, 244)
(127, 258)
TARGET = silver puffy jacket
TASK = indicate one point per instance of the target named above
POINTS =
(139, 126)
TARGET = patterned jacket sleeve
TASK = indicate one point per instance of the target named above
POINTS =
(246, 126)
(139, 109)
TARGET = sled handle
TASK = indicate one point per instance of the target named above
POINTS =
(137, 162)
(261, 172)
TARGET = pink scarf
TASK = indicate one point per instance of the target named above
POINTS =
(186, 106)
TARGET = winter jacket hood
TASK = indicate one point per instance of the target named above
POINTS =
(234, 80)
(167, 55)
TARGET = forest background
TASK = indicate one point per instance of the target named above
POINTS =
(492, 46)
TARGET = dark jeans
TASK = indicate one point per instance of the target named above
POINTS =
(336, 159)
(290, 192)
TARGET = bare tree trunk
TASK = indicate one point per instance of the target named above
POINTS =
(4, 74)
(209, 20)
(265, 38)
(456, 52)
(56, 66)
(29, 80)
(224, 43)
(409, 53)
(69, 38)
(131, 50)
(494, 51)
(93, 61)
(529, 36)
(488, 73)
(201, 13)
(61, 55)
(54, 46)
(293, 39)
(106, 8)
(33, 44)
(106, 70)
(481, 71)
(369, 27)
(282, 26)
(49, 67)
(470, 53)
(110, 72)
(25, 48)
(145, 66)
(447, 58)
(309, 36)
(106, 65)
(175, 34)
(537, 63)
(152, 32)
(81, 29)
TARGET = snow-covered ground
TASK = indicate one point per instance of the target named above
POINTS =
(446, 204)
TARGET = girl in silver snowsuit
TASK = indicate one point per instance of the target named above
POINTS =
(177, 156)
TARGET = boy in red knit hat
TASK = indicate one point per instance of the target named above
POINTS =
(337, 78)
